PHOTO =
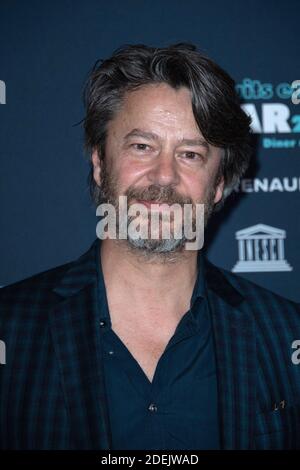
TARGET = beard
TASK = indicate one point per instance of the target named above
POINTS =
(108, 192)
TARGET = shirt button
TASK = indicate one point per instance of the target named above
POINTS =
(102, 323)
(152, 407)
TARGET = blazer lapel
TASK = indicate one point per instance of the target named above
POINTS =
(75, 331)
(235, 356)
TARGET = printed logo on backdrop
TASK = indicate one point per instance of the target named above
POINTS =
(261, 248)
(271, 116)
(269, 185)
(2, 92)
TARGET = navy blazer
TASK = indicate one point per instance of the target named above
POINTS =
(52, 393)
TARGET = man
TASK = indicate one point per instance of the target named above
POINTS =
(142, 343)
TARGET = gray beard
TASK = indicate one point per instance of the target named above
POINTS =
(161, 248)
(157, 246)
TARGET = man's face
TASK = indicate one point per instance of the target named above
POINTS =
(155, 152)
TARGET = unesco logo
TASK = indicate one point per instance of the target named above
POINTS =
(261, 248)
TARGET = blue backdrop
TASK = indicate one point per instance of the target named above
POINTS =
(47, 48)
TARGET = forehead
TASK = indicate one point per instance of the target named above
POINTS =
(158, 93)
(159, 107)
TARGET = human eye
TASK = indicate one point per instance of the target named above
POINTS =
(189, 155)
(141, 147)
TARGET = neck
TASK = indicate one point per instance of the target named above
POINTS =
(152, 281)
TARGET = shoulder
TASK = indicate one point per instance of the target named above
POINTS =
(273, 320)
(259, 298)
(44, 280)
(30, 294)
(30, 299)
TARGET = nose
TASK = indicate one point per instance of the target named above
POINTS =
(164, 170)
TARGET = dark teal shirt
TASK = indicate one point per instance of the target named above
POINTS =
(178, 409)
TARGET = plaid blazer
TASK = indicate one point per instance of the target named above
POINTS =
(52, 389)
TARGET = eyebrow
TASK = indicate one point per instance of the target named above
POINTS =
(152, 136)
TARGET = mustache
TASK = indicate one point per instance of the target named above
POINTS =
(156, 193)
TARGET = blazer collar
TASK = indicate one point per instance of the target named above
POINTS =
(79, 273)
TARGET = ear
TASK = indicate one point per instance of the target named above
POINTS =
(219, 190)
(96, 161)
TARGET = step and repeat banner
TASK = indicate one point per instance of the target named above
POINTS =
(47, 49)
(261, 238)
